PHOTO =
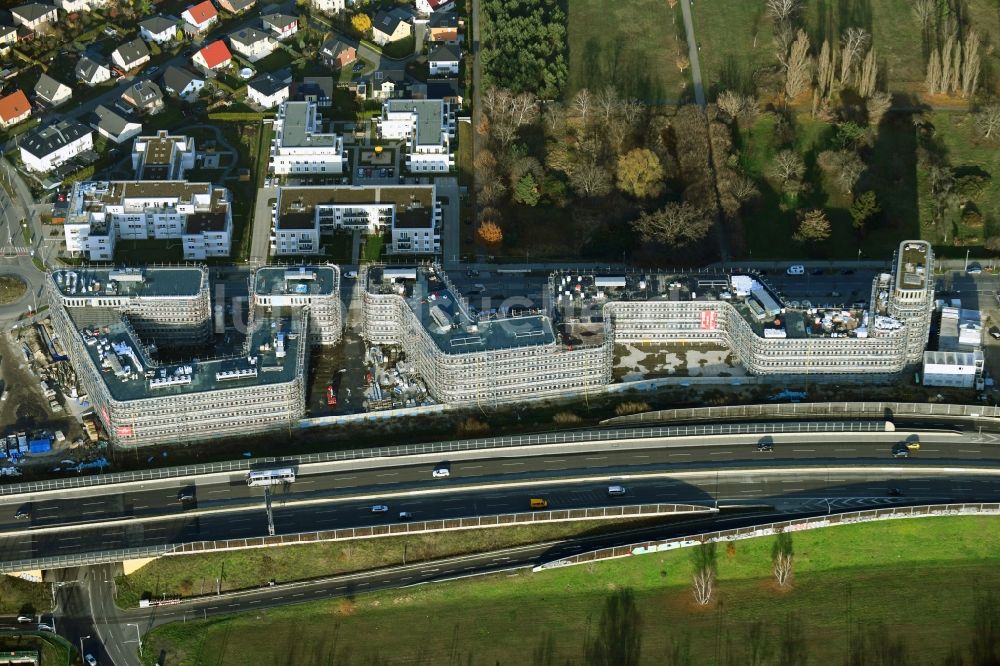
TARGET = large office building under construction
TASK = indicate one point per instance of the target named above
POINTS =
(115, 324)
(470, 355)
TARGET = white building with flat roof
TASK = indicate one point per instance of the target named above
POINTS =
(300, 146)
(163, 156)
(427, 126)
(303, 215)
(955, 369)
(101, 212)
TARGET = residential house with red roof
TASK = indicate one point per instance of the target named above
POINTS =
(200, 17)
(14, 108)
(214, 56)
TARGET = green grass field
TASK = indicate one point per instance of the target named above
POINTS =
(632, 45)
(17, 595)
(242, 569)
(919, 578)
(735, 40)
(956, 134)
(891, 174)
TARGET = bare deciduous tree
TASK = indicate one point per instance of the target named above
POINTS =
(877, 105)
(787, 166)
(743, 188)
(682, 62)
(508, 112)
(737, 105)
(853, 42)
(674, 224)
(934, 73)
(946, 60)
(924, 11)
(955, 81)
(782, 10)
(814, 227)
(607, 102)
(554, 117)
(826, 69)
(988, 121)
(798, 70)
(702, 585)
(631, 111)
(783, 568)
(582, 104)
(485, 161)
(869, 74)
(971, 64)
(590, 180)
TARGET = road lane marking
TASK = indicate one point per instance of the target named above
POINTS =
(513, 464)
(804, 450)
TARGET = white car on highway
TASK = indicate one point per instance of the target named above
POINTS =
(797, 269)
(379, 508)
(90, 660)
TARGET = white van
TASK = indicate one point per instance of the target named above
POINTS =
(797, 269)
(616, 491)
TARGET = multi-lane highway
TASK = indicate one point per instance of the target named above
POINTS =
(856, 467)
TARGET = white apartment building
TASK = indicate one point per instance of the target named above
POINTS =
(162, 157)
(957, 369)
(46, 148)
(300, 147)
(198, 214)
(329, 6)
(427, 126)
(303, 215)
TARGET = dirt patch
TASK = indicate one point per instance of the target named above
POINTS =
(12, 289)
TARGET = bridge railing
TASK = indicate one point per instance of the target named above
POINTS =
(765, 529)
(882, 410)
(568, 437)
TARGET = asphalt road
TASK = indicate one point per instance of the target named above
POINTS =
(224, 506)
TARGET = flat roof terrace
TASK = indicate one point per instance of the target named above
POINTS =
(455, 328)
(131, 374)
(314, 280)
(138, 282)
(911, 269)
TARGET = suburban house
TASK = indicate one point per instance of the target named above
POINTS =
(92, 70)
(236, 6)
(443, 27)
(145, 96)
(214, 56)
(14, 108)
(281, 25)
(336, 53)
(116, 123)
(52, 92)
(252, 44)
(34, 16)
(384, 87)
(299, 144)
(329, 6)
(389, 27)
(200, 17)
(70, 6)
(427, 126)
(158, 29)
(269, 90)
(432, 6)
(8, 36)
(43, 149)
(163, 157)
(182, 82)
(443, 60)
(130, 55)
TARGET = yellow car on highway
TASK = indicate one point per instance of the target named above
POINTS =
(913, 446)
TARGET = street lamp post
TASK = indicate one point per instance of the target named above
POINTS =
(82, 639)
(138, 636)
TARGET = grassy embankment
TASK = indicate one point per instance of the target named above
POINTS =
(909, 584)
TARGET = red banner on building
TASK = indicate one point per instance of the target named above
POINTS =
(709, 320)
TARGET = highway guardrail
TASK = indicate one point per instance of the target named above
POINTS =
(369, 532)
(794, 525)
(881, 410)
(485, 443)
